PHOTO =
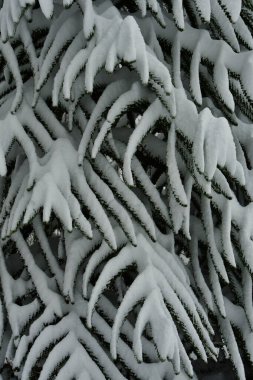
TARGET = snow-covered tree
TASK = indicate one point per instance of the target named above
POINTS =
(126, 156)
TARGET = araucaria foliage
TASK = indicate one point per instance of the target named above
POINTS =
(126, 156)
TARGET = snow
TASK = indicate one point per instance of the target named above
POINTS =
(150, 189)
(70, 52)
(66, 32)
(77, 250)
(230, 341)
(130, 36)
(151, 277)
(12, 289)
(81, 92)
(95, 208)
(233, 8)
(47, 336)
(194, 74)
(52, 262)
(46, 317)
(178, 15)
(47, 7)
(39, 278)
(247, 295)
(210, 51)
(11, 59)
(89, 19)
(99, 256)
(27, 41)
(197, 273)
(226, 234)
(109, 96)
(204, 9)
(243, 33)
(173, 172)
(220, 76)
(59, 21)
(76, 65)
(106, 197)
(213, 251)
(99, 53)
(151, 116)
(176, 60)
(219, 150)
(216, 288)
(128, 197)
(47, 116)
(137, 93)
(70, 347)
(11, 128)
(162, 328)
(227, 28)
(28, 118)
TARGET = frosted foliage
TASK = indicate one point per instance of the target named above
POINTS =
(126, 188)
